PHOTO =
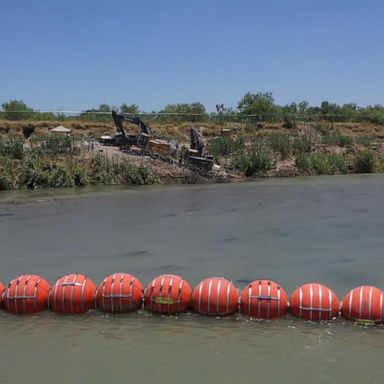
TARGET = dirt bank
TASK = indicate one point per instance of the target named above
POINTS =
(180, 131)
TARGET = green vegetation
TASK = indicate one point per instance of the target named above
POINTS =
(364, 162)
(56, 161)
(11, 148)
(252, 108)
(105, 170)
(192, 112)
(302, 144)
(340, 140)
(254, 160)
(321, 163)
(310, 156)
(224, 147)
(305, 140)
(280, 143)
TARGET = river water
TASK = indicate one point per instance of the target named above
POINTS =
(327, 229)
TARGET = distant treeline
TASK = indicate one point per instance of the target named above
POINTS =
(252, 107)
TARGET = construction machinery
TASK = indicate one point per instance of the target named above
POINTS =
(194, 157)
(120, 138)
(143, 141)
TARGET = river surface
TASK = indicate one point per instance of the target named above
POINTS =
(327, 229)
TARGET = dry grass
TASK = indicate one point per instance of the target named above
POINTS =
(180, 131)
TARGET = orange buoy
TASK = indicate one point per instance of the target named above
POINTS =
(26, 294)
(363, 303)
(2, 290)
(314, 302)
(167, 294)
(119, 292)
(263, 299)
(72, 293)
(215, 296)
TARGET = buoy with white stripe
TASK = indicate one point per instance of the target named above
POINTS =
(314, 302)
(215, 296)
(263, 299)
(72, 293)
(167, 294)
(119, 292)
(363, 303)
(26, 294)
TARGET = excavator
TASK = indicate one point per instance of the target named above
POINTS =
(143, 141)
(194, 157)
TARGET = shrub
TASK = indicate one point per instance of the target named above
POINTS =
(289, 122)
(303, 161)
(60, 176)
(133, 174)
(322, 163)
(364, 162)
(281, 143)
(302, 144)
(380, 164)
(364, 141)
(32, 174)
(339, 140)
(339, 163)
(224, 146)
(6, 176)
(11, 148)
(105, 170)
(102, 170)
(255, 160)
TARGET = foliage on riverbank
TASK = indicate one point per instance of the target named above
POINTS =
(54, 162)
(60, 161)
(299, 154)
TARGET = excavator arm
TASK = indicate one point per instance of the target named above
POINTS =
(197, 141)
(118, 119)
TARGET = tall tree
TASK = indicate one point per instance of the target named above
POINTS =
(16, 110)
(187, 112)
(132, 108)
(257, 104)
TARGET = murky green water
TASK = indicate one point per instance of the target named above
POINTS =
(293, 231)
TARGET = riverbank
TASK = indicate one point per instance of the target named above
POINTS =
(36, 160)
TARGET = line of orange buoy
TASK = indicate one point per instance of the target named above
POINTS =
(171, 294)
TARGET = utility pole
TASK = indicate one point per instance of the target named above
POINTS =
(220, 110)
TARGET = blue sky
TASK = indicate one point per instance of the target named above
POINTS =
(74, 55)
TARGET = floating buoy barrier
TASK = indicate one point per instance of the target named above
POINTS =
(363, 303)
(119, 293)
(263, 299)
(314, 302)
(167, 294)
(215, 296)
(72, 293)
(26, 294)
(170, 294)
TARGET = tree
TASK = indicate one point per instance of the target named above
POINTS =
(257, 104)
(104, 108)
(102, 113)
(16, 110)
(133, 108)
(303, 107)
(186, 112)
